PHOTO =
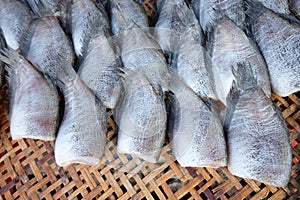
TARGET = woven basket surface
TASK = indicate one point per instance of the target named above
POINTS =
(28, 169)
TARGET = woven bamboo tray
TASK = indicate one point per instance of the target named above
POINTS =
(28, 169)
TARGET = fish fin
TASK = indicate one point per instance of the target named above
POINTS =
(11, 57)
(41, 8)
(244, 76)
(232, 100)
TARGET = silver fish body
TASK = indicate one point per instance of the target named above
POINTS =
(86, 22)
(99, 71)
(34, 105)
(210, 11)
(82, 134)
(14, 21)
(279, 41)
(141, 118)
(46, 45)
(230, 46)
(126, 14)
(180, 36)
(195, 130)
(295, 7)
(257, 136)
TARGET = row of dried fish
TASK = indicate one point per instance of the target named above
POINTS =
(222, 62)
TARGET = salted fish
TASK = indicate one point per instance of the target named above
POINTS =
(81, 136)
(14, 21)
(86, 22)
(34, 105)
(195, 131)
(99, 71)
(295, 7)
(210, 11)
(228, 46)
(257, 135)
(279, 41)
(141, 118)
(278, 6)
(138, 49)
(45, 44)
(2, 45)
(127, 14)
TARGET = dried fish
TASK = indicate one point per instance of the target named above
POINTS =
(99, 71)
(34, 106)
(141, 118)
(278, 6)
(195, 130)
(257, 136)
(44, 46)
(180, 36)
(82, 134)
(279, 42)
(87, 21)
(295, 7)
(229, 45)
(14, 21)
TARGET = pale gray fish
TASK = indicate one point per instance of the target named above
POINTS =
(279, 41)
(87, 21)
(179, 35)
(257, 135)
(278, 6)
(196, 133)
(138, 49)
(34, 105)
(209, 11)
(46, 43)
(141, 118)
(82, 134)
(14, 21)
(99, 70)
(229, 45)
(127, 14)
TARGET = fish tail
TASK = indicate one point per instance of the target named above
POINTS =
(11, 57)
(231, 101)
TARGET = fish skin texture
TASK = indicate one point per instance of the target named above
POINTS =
(195, 131)
(87, 21)
(141, 118)
(279, 41)
(82, 134)
(278, 6)
(257, 136)
(230, 46)
(210, 11)
(14, 30)
(34, 105)
(47, 44)
(99, 71)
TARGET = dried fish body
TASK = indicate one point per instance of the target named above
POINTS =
(14, 21)
(82, 134)
(127, 14)
(34, 106)
(230, 46)
(210, 11)
(179, 35)
(196, 133)
(87, 21)
(257, 136)
(2, 45)
(98, 71)
(46, 44)
(141, 52)
(279, 41)
(141, 118)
